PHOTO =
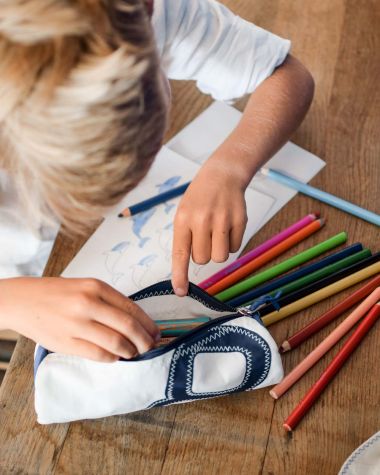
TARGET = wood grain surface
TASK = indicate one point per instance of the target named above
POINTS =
(339, 41)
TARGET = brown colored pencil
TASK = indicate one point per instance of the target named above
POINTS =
(313, 327)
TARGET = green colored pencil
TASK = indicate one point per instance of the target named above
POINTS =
(282, 267)
(319, 274)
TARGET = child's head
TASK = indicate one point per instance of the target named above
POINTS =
(82, 104)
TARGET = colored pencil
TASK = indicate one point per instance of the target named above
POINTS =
(320, 195)
(255, 264)
(291, 276)
(332, 369)
(180, 326)
(165, 341)
(265, 246)
(313, 327)
(177, 322)
(154, 201)
(282, 267)
(321, 294)
(319, 284)
(320, 350)
(319, 278)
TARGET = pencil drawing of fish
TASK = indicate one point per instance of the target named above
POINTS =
(168, 184)
(165, 240)
(113, 257)
(142, 271)
(139, 221)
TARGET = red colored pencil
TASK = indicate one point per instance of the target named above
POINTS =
(313, 327)
(332, 369)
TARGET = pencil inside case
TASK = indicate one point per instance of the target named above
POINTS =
(231, 352)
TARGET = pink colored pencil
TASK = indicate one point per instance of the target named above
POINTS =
(332, 369)
(265, 246)
(326, 344)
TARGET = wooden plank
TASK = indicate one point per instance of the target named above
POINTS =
(243, 433)
(347, 413)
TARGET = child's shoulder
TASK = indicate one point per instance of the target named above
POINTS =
(204, 41)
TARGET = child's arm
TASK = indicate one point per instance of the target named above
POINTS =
(211, 218)
(84, 317)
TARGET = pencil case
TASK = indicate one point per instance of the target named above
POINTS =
(232, 352)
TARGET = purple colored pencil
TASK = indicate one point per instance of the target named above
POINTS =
(265, 246)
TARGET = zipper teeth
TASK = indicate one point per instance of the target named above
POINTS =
(196, 293)
(158, 351)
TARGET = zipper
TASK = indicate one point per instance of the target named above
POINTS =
(240, 312)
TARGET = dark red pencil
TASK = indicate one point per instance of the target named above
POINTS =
(313, 327)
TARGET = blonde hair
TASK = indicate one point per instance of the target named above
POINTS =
(82, 110)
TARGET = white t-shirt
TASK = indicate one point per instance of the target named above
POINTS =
(198, 40)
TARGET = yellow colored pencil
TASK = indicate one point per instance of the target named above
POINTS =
(321, 294)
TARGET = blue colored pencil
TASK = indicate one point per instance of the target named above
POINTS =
(291, 276)
(154, 201)
(320, 195)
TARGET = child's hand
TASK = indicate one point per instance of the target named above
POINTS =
(84, 317)
(210, 221)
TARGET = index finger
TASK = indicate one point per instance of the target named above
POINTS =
(118, 300)
(180, 259)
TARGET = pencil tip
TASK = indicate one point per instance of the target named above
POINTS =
(317, 214)
(273, 394)
(284, 347)
(287, 427)
(120, 215)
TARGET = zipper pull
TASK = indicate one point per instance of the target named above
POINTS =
(259, 303)
(245, 311)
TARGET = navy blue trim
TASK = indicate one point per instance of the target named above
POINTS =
(165, 288)
(41, 353)
(225, 339)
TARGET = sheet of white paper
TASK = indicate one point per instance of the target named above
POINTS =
(207, 131)
(132, 253)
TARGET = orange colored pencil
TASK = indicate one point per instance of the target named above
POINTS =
(260, 261)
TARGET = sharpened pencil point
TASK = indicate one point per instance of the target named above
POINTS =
(287, 427)
(273, 394)
(284, 347)
(120, 215)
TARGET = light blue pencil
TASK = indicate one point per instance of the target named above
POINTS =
(322, 196)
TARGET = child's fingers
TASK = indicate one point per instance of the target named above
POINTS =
(85, 349)
(108, 339)
(220, 245)
(180, 258)
(236, 236)
(125, 325)
(118, 300)
(201, 243)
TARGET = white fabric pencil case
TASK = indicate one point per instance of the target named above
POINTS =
(230, 353)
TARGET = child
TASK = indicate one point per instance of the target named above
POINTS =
(85, 99)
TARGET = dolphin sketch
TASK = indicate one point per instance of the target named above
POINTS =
(165, 239)
(139, 221)
(141, 272)
(113, 257)
(168, 184)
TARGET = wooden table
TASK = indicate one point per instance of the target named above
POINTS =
(339, 41)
